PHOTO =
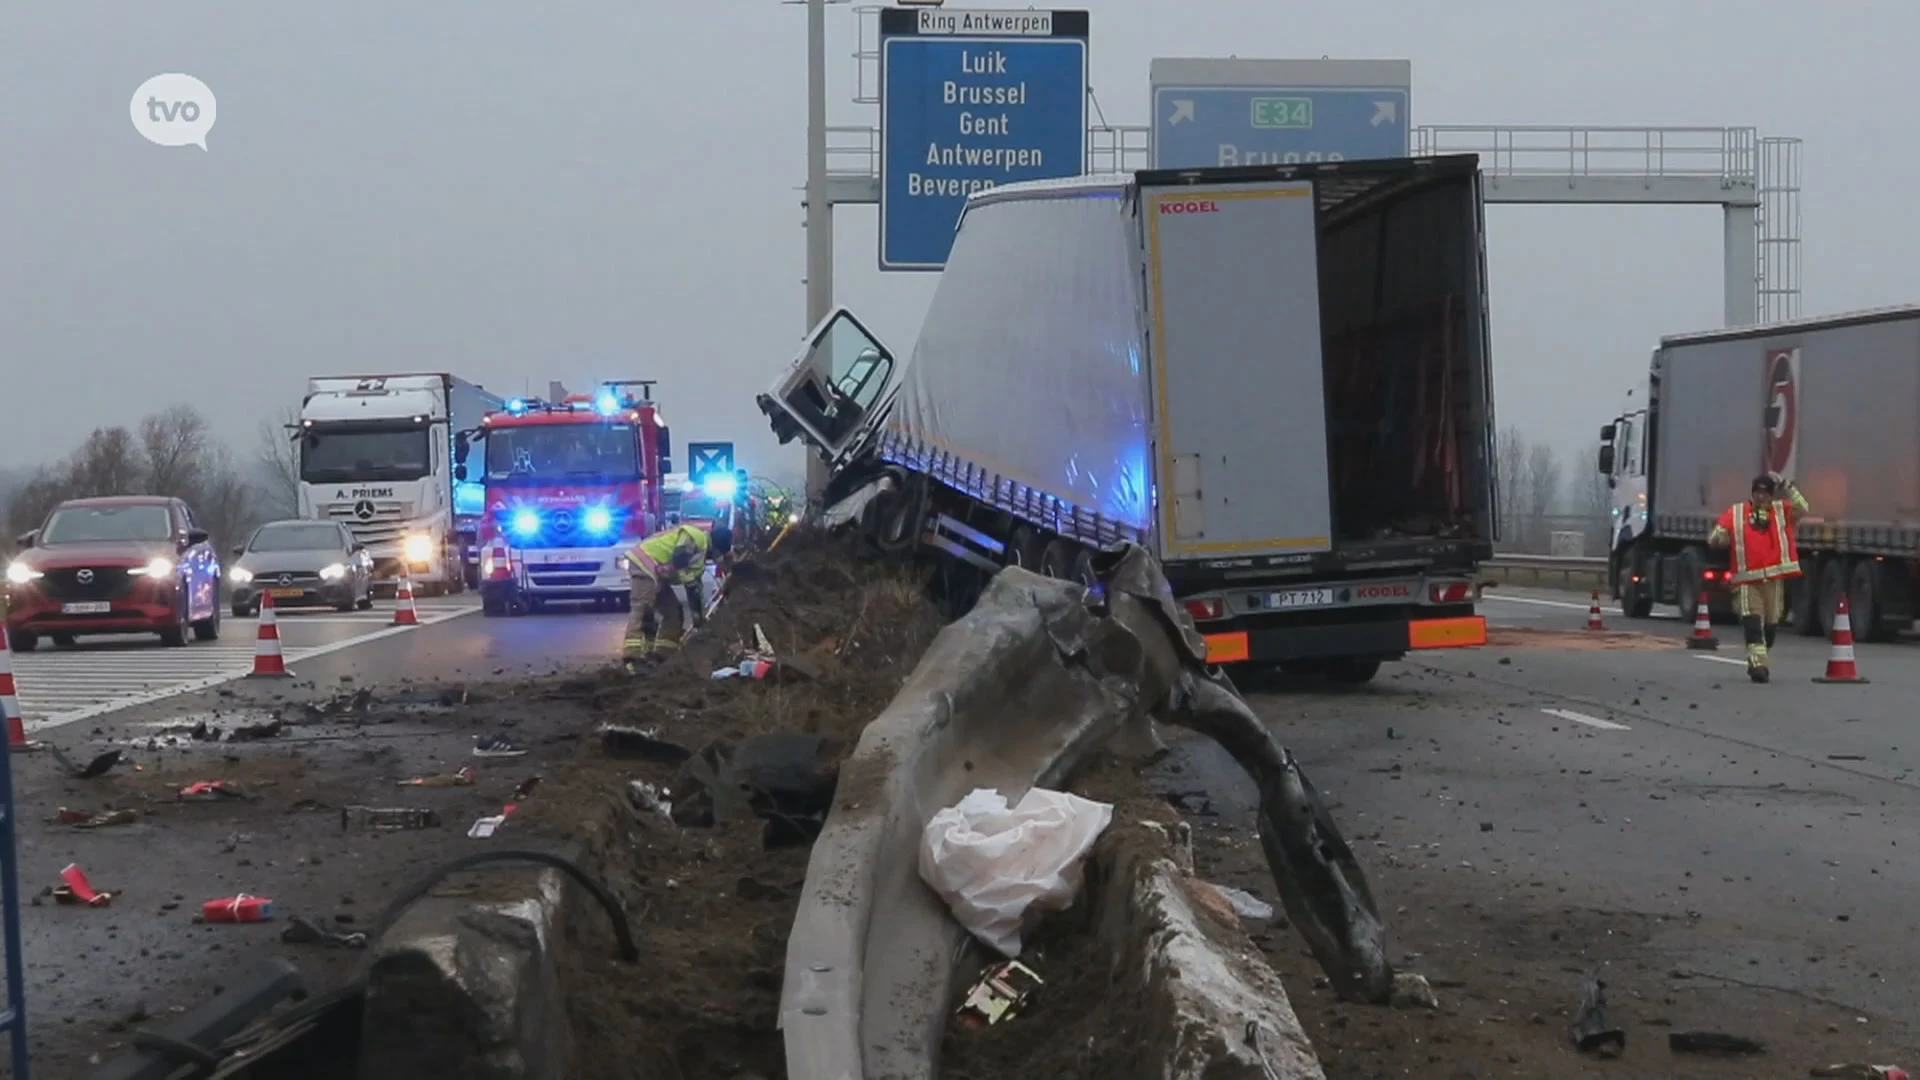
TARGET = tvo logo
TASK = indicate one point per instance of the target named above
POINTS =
(173, 110)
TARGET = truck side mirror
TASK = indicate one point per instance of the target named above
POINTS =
(459, 471)
(1606, 461)
(1606, 432)
(1773, 417)
(461, 447)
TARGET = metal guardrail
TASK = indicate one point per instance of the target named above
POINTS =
(1565, 571)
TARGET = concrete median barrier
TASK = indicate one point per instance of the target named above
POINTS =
(1014, 695)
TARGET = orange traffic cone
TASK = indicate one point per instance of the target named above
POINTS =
(1593, 613)
(1840, 666)
(268, 662)
(404, 613)
(10, 699)
(1702, 627)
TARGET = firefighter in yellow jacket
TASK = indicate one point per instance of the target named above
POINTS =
(665, 571)
(1765, 553)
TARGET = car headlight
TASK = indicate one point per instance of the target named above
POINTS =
(159, 566)
(20, 573)
(418, 547)
(240, 575)
(336, 571)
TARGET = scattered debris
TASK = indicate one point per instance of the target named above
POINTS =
(487, 826)
(1846, 757)
(1713, 1042)
(99, 766)
(254, 732)
(1858, 1072)
(1413, 992)
(1593, 1032)
(998, 995)
(463, 778)
(619, 741)
(213, 790)
(993, 863)
(301, 932)
(78, 890)
(1245, 904)
(81, 819)
(647, 797)
(242, 908)
(387, 819)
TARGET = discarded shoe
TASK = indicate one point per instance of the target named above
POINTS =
(496, 746)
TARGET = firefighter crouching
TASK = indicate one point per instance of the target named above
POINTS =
(1765, 554)
(666, 571)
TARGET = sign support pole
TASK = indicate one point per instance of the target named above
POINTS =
(819, 210)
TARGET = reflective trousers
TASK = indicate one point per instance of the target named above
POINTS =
(655, 624)
(1761, 605)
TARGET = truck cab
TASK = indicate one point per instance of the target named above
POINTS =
(568, 486)
(376, 455)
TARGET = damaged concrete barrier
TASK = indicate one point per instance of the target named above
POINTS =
(1014, 695)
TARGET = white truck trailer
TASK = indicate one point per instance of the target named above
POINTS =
(1275, 377)
(1831, 403)
(376, 455)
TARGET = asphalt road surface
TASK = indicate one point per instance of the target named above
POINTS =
(96, 974)
(1729, 857)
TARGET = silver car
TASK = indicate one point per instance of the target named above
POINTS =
(301, 563)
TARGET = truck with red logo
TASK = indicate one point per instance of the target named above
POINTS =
(1276, 378)
(569, 485)
(1828, 403)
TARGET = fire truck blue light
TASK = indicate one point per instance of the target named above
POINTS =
(721, 487)
(526, 522)
(598, 519)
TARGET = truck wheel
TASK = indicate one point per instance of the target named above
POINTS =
(1636, 594)
(1351, 670)
(1687, 583)
(1056, 561)
(1023, 549)
(1833, 582)
(1803, 609)
(1864, 602)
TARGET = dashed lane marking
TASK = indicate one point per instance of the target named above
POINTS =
(1583, 718)
(1722, 660)
(60, 688)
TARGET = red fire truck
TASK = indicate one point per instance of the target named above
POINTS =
(570, 485)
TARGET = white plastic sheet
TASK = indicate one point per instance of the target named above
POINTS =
(994, 865)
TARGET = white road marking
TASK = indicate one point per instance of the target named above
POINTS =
(1583, 718)
(1568, 604)
(76, 686)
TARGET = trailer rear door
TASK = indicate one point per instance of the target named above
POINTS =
(1232, 284)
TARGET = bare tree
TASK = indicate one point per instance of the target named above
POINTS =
(278, 463)
(174, 442)
(1542, 488)
(108, 463)
(1590, 495)
(227, 504)
(1511, 458)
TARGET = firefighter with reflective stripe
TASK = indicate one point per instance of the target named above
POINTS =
(665, 571)
(1760, 532)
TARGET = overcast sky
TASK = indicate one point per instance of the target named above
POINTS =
(601, 188)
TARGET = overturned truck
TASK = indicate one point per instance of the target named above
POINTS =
(1275, 378)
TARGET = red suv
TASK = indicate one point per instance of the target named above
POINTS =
(118, 565)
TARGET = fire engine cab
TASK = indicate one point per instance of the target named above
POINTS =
(569, 486)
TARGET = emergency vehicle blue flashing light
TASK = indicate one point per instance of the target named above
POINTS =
(526, 522)
(607, 404)
(516, 406)
(720, 487)
(598, 520)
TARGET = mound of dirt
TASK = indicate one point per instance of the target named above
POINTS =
(712, 904)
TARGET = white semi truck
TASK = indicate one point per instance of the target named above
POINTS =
(1831, 403)
(1275, 377)
(376, 455)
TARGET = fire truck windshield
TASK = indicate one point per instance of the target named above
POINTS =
(360, 453)
(547, 451)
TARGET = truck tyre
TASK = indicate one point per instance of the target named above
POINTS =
(1636, 593)
(1833, 582)
(1687, 582)
(1056, 561)
(1803, 608)
(1023, 549)
(1866, 601)
(1351, 670)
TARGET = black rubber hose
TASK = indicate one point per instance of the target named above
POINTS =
(622, 929)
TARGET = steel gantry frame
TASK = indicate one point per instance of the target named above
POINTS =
(1754, 179)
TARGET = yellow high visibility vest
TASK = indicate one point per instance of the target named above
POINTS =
(654, 555)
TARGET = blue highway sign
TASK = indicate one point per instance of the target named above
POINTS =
(1278, 123)
(971, 100)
